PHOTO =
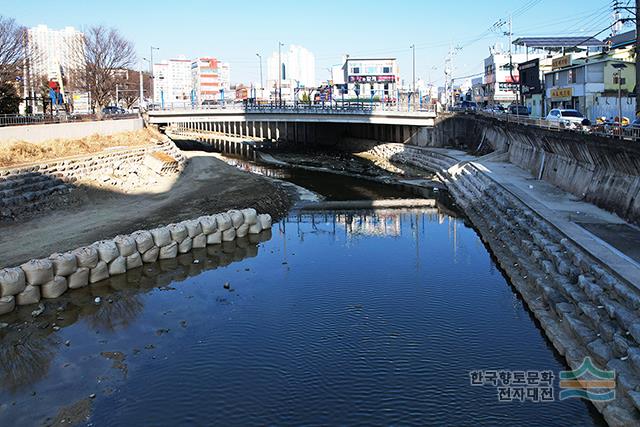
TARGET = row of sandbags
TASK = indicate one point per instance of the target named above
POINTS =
(51, 277)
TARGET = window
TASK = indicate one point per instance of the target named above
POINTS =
(355, 70)
(371, 70)
(615, 80)
(573, 76)
(386, 70)
(556, 77)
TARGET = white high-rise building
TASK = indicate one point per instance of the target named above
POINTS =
(53, 54)
(298, 71)
(172, 81)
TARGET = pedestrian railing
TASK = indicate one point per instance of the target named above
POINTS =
(35, 119)
(608, 130)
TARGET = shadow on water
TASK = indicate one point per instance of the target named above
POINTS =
(28, 345)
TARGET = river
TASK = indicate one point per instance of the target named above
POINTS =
(331, 318)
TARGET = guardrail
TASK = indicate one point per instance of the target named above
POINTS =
(608, 130)
(38, 119)
(299, 107)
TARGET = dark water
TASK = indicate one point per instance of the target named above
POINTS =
(333, 319)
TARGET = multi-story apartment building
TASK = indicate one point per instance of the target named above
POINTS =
(298, 71)
(52, 55)
(172, 81)
(371, 78)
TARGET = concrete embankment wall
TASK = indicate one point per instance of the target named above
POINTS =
(602, 171)
(51, 277)
(30, 188)
(75, 130)
(585, 309)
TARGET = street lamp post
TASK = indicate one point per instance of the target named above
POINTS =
(619, 66)
(280, 73)
(413, 75)
(261, 85)
(151, 70)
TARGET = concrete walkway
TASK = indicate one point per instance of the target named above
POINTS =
(604, 235)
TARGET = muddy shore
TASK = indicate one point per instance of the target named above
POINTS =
(207, 185)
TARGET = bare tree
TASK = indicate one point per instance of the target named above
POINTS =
(11, 48)
(105, 54)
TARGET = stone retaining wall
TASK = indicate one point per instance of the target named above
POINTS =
(51, 277)
(584, 308)
(26, 189)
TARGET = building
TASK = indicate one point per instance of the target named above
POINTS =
(298, 71)
(172, 81)
(591, 85)
(52, 55)
(371, 78)
(500, 82)
(209, 80)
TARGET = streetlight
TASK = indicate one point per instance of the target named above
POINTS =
(413, 87)
(619, 66)
(280, 73)
(260, 60)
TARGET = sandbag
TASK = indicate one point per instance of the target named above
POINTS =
(151, 255)
(209, 224)
(169, 251)
(64, 264)
(107, 250)
(237, 219)
(265, 221)
(224, 221)
(214, 238)
(79, 279)
(100, 272)
(161, 236)
(178, 232)
(126, 245)
(242, 230)
(12, 281)
(186, 245)
(134, 261)
(30, 295)
(193, 227)
(54, 288)
(118, 266)
(255, 228)
(199, 241)
(38, 271)
(144, 240)
(229, 235)
(250, 216)
(7, 304)
(86, 257)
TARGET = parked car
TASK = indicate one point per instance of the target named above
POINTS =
(469, 106)
(518, 110)
(567, 118)
(113, 109)
(495, 109)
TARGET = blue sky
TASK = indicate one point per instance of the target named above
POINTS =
(235, 30)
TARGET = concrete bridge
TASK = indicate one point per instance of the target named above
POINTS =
(301, 123)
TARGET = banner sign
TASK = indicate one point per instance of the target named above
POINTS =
(562, 94)
(561, 62)
(372, 79)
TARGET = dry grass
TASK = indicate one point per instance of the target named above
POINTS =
(20, 152)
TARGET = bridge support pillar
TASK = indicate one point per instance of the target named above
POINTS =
(277, 131)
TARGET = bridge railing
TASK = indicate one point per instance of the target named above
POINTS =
(348, 107)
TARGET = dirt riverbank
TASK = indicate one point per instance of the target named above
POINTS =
(207, 185)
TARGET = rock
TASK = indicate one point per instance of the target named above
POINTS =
(97, 300)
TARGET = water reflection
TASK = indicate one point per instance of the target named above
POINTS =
(28, 345)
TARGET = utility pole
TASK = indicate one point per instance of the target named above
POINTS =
(280, 73)
(141, 99)
(509, 33)
(637, 58)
